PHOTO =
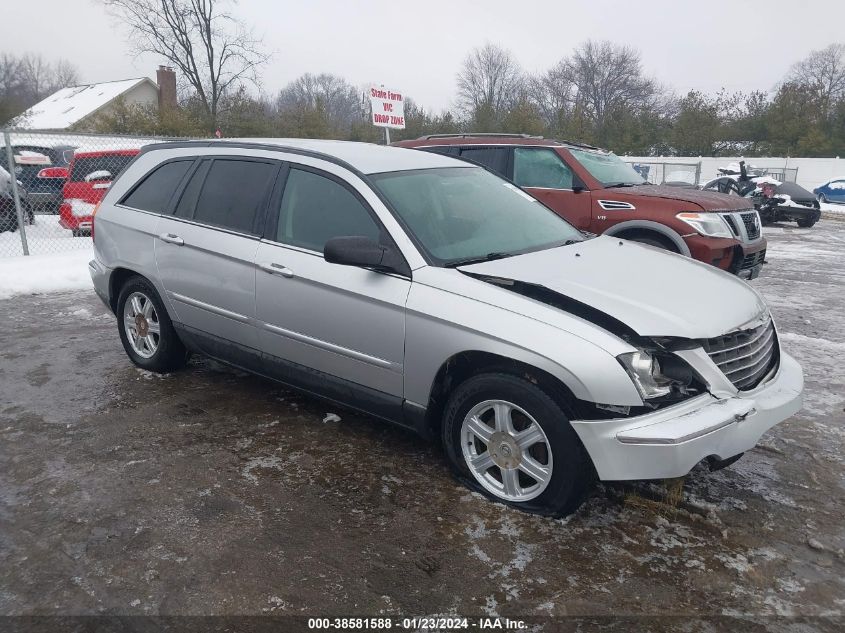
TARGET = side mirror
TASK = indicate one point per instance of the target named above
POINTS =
(364, 252)
(54, 172)
(578, 188)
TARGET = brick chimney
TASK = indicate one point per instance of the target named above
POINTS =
(166, 79)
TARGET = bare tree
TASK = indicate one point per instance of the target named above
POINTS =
(26, 80)
(38, 78)
(213, 51)
(336, 99)
(824, 73)
(553, 94)
(490, 81)
(609, 76)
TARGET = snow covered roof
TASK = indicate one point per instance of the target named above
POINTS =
(62, 109)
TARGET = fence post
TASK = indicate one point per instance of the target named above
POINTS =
(16, 193)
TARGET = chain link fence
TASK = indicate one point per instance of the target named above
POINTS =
(678, 174)
(51, 182)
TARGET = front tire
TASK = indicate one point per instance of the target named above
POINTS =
(146, 330)
(806, 223)
(822, 199)
(507, 438)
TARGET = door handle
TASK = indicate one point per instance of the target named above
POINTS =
(171, 239)
(276, 269)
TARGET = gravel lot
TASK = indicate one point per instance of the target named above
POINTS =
(213, 492)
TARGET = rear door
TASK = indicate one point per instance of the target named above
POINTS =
(343, 321)
(544, 174)
(205, 251)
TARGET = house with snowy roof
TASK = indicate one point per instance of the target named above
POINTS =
(77, 106)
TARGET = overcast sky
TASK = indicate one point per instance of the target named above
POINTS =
(417, 47)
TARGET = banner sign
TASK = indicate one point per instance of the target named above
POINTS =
(388, 108)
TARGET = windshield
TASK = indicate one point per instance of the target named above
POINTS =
(463, 213)
(607, 168)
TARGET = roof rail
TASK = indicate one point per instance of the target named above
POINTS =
(478, 134)
(578, 144)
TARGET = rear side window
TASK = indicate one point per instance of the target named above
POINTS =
(155, 191)
(540, 168)
(234, 193)
(316, 209)
(447, 150)
(188, 201)
(495, 158)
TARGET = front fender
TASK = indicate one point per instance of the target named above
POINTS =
(440, 324)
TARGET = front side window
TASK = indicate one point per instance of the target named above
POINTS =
(460, 213)
(607, 168)
(534, 167)
(234, 193)
(155, 191)
(316, 209)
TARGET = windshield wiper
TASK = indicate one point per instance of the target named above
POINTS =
(621, 184)
(466, 261)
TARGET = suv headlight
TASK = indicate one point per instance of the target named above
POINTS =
(709, 224)
(655, 375)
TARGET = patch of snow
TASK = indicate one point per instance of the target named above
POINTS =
(331, 417)
(37, 274)
(260, 462)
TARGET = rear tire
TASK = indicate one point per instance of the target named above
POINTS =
(146, 330)
(531, 459)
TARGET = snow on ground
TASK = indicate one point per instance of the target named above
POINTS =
(831, 207)
(45, 273)
(44, 237)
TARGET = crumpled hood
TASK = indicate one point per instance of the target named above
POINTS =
(653, 292)
(707, 200)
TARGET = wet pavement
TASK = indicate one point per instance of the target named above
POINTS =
(210, 491)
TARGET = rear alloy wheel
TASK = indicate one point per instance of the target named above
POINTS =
(507, 438)
(145, 328)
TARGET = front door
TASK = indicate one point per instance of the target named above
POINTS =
(205, 251)
(343, 321)
(543, 174)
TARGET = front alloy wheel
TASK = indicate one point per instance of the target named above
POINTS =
(506, 450)
(508, 438)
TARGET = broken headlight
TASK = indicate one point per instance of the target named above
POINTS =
(656, 374)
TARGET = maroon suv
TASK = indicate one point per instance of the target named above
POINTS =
(598, 192)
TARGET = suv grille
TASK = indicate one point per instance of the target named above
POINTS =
(745, 357)
(752, 225)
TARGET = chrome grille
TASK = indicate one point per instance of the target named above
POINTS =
(752, 225)
(745, 357)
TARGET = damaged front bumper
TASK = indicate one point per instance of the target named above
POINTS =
(670, 442)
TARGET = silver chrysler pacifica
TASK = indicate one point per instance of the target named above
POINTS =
(431, 293)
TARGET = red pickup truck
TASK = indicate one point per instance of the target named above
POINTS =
(597, 191)
(90, 174)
